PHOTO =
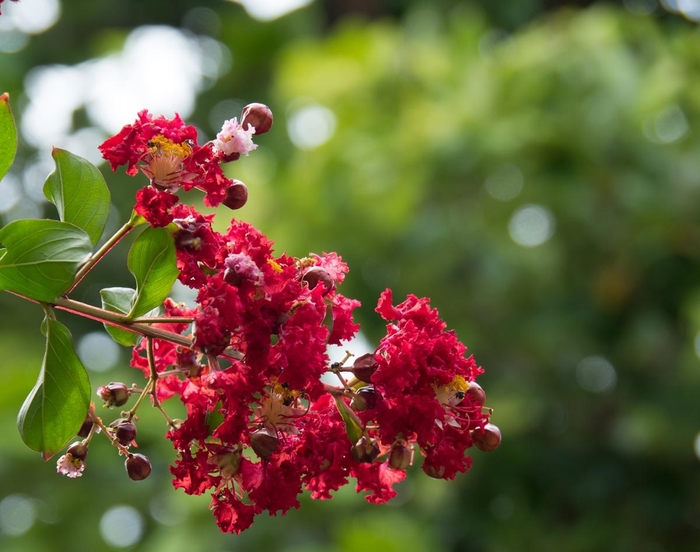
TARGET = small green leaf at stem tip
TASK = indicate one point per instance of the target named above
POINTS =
(8, 135)
(352, 428)
(41, 257)
(56, 407)
(78, 190)
(121, 300)
(153, 262)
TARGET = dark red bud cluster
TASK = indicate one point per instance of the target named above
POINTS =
(114, 394)
(86, 427)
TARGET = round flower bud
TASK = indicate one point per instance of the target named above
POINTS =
(365, 450)
(436, 472)
(400, 457)
(228, 461)
(364, 366)
(477, 394)
(364, 398)
(138, 467)
(315, 275)
(257, 115)
(78, 450)
(124, 431)
(487, 438)
(114, 394)
(236, 195)
(264, 442)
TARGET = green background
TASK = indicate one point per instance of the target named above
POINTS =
(450, 119)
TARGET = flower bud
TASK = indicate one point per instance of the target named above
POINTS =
(316, 275)
(114, 394)
(477, 394)
(264, 442)
(86, 427)
(364, 398)
(228, 461)
(138, 467)
(236, 195)
(436, 472)
(124, 431)
(78, 450)
(364, 366)
(365, 450)
(400, 457)
(257, 115)
(487, 438)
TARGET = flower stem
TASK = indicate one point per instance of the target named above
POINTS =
(106, 248)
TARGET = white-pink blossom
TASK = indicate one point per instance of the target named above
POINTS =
(233, 139)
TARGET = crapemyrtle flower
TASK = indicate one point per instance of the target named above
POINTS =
(166, 151)
(233, 141)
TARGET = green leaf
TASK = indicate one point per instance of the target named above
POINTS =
(353, 426)
(56, 408)
(153, 262)
(8, 136)
(78, 190)
(121, 300)
(41, 257)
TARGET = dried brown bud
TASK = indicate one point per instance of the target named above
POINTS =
(487, 438)
(228, 461)
(236, 195)
(138, 467)
(364, 366)
(257, 115)
(114, 394)
(400, 457)
(315, 275)
(124, 431)
(264, 442)
(364, 399)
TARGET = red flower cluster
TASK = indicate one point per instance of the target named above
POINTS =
(261, 425)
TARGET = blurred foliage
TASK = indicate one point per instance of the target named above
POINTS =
(449, 118)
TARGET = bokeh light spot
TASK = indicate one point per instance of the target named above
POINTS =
(17, 514)
(531, 225)
(311, 126)
(121, 526)
(267, 10)
(98, 351)
(596, 374)
(505, 183)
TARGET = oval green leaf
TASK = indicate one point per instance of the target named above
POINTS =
(79, 192)
(41, 257)
(56, 408)
(153, 262)
(8, 135)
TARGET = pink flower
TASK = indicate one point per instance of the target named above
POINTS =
(233, 141)
(70, 466)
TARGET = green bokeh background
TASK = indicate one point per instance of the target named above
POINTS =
(593, 109)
